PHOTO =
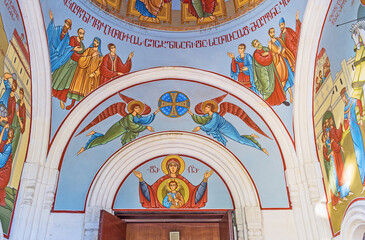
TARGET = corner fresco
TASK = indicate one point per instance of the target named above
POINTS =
(338, 108)
(15, 106)
(173, 182)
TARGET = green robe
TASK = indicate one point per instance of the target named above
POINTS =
(264, 76)
(62, 77)
(128, 127)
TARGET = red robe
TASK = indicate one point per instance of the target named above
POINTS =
(5, 173)
(22, 116)
(335, 136)
(109, 69)
(208, 6)
(11, 109)
(242, 78)
(278, 96)
(154, 203)
(62, 94)
(327, 158)
(291, 38)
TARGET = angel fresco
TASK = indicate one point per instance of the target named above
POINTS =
(173, 190)
(213, 123)
(128, 127)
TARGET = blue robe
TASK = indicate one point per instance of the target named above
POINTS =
(290, 81)
(350, 115)
(60, 51)
(247, 61)
(220, 128)
(141, 8)
(5, 97)
(4, 156)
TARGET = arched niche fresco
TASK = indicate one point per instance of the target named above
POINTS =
(338, 107)
(87, 29)
(111, 126)
(187, 185)
(15, 106)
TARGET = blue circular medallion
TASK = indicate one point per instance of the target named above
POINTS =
(173, 104)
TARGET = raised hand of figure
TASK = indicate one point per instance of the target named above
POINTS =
(131, 55)
(92, 75)
(196, 129)
(207, 174)
(95, 54)
(6, 126)
(150, 129)
(50, 15)
(157, 111)
(297, 15)
(189, 111)
(138, 174)
(231, 55)
(244, 68)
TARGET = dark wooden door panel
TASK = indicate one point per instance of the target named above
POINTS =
(111, 227)
(160, 231)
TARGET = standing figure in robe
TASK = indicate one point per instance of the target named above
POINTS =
(214, 124)
(112, 66)
(62, 77)
(350, 121)
(289, 36)
(266, 76)
(284, 62)
(87, 74)
(5, 162)
(58, 42)
(241, 68)
(150, 8)
(343, 180)
(8, 98)
(201, 8)
(172, 166)
(128, 127)
(331, 170)
(18, 123)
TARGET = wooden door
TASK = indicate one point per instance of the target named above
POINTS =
(226, 227)
(111, 227)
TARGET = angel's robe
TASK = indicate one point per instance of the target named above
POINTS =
(220, 128)
(129, 126)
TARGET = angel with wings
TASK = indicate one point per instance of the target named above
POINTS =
(128, 127)
(213, 123)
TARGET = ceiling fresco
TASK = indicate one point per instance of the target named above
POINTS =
(338, 107)
(90, 47)
(15, 107)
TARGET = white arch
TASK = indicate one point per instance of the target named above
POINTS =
(110, 176)
(353, 224)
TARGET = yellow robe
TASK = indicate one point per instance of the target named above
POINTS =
(82, 84)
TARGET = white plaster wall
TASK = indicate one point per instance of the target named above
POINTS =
(65, 226)
(279, 224)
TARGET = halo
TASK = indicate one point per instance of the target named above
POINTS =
(168, 184)
(211, 102)
(166, 159)
(129, 107)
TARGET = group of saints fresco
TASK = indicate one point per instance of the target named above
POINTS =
(76, 71)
